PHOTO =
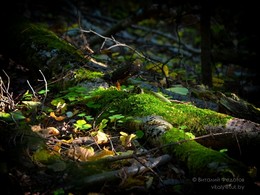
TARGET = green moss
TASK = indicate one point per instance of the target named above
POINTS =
(39, 35)
(82, 74)
(39, 47)
(44, 156)
(140, 105)
(196, 118)
(178, 114)
(145, 104)
(105, 101)
(200, 160)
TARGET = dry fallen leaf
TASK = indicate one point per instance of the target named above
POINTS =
(57, 147)
(100, 137)
(57, 118)
(101, 154)
(53, 131)
(36, 128)
(80, 153)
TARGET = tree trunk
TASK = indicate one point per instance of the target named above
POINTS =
(206, 71)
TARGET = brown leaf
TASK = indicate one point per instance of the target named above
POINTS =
(57, 118)
(80, 153)
(53, 131)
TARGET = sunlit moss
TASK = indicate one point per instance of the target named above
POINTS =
(147, 104)
(138, 105)
(84, 74)
(196, 155)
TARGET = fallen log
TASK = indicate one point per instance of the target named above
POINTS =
(36, 47)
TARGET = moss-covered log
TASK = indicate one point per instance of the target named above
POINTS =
(37, 48)
(178, 115)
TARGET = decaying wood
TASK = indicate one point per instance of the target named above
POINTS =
(238, 107)
(119, 176)
(240, 137)
(124, 72)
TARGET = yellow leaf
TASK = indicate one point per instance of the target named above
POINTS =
(80, 153)
(101, 154)
(101, 137)
(57, 118)
(126, 139)
(52, 114)
(67, 141)
(61, 107)
(123, 133)
(165, 70)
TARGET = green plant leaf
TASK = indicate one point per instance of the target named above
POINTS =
(92, 104)
(115, 117)
(27, 96)
(41, 92)
(82, 114)
(56, 101)
(223, 150)
(139, 134)
(17, 115)
(179, 89)
(102, 124)
(82, 125)
(89, 118)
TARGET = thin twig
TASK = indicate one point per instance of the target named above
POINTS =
(8, 81)
(238, 145)
(117, 44)
(46, 88)
(6, 96)
(111, 144)
(34, 94)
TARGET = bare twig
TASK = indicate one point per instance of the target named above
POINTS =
(46, 88)
(117, 44)
(8, 79)
(6, 97)
(34, 94)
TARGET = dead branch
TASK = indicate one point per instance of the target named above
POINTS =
(116, 43)
(123, 173)
(6, 98)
